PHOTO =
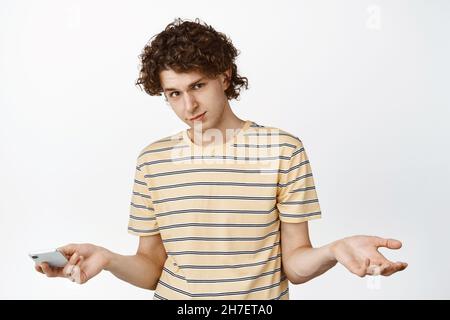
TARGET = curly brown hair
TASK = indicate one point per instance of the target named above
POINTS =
(186, 46)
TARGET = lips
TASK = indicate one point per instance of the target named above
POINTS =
(198, 116)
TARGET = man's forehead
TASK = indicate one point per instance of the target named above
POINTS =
(170, 77)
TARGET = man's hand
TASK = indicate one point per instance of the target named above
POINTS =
(359, 254)
(85, 261)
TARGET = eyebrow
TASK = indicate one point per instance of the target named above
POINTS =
(190, 85)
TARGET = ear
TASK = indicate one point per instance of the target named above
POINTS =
(226, 79)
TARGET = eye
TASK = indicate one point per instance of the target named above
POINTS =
(199, 84)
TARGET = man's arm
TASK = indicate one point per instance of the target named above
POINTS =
(359, 254)
(302, 262)
(142, 269)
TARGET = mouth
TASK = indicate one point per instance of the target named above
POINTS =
(199, 117)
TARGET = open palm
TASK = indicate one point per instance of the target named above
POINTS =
(360, 255)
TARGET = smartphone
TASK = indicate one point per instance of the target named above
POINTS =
(54, 258)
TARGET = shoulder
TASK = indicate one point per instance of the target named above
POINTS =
(160, 148)
(275, 136)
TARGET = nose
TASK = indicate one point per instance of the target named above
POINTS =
(190, 103)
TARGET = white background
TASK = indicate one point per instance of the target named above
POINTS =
(364, 84)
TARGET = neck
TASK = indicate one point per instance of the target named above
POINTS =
(228, 121)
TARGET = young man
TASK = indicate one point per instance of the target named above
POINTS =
(221, 208)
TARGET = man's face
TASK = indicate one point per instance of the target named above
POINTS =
(191, 94)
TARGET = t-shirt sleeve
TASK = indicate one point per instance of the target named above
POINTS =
(142, 220)
(296, 194)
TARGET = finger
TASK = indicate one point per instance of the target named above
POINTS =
(388, 269)
(68, 250)
(388, 243)
(50, 271)
(402, 266)
(394, 267)
(76, 272)
(38, 268)
(374, 270)
(72, 262)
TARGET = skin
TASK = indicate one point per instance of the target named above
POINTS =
(359, 254)
(301, 262)
(194, 97)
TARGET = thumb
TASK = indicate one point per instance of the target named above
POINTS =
(68, 250)
(389, 243)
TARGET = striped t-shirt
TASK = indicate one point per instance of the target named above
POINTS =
(218, 210)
